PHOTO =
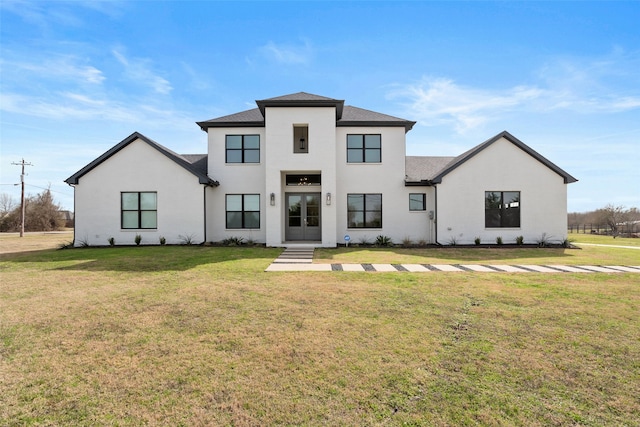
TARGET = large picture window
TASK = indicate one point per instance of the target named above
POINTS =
(139, 210)
(243, 211)
(364, 210)
(242, 148)
(364, 148)
(501, 209)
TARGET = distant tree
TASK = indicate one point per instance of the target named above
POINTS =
(7, 204)
(42, 213)
(614, 217)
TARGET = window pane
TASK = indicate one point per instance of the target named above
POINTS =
(234, 219)
(355, 202)
(354, 156)
(148, 201)
(234, 202)
(416, 202)
(234, 156)
(252, 202)
(295, 221)
(252, 156)
(148, 219)
(252, 141)
(356, 219)
(354, 141)
(374, 202)
(129, 201)
(372, 141)
(234, 141)
(252, 220)
(130, 219)
(373, 219)
(372, 156)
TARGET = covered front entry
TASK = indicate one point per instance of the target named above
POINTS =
(302, 220)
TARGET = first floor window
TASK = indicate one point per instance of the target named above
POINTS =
(139, 210)
(417, 202)
(243, 210)
(364, 210)
(501, 209)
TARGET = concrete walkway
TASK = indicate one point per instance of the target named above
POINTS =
(454, 268)
(301, 259)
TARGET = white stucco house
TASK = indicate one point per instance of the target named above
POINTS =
(304, 168)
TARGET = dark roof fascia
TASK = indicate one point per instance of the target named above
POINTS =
(206, 125)
(337, 103)
(423, 183)
(568, 179)
(406, 124)
(202, 178)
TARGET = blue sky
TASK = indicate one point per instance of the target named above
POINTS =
(78, 77)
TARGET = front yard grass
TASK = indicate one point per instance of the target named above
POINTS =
(202, 336)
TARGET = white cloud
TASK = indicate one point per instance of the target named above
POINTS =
(580, 87)
(65, 67)
(139, 71)
(288, 54)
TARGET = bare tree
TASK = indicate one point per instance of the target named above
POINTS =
(7, 204)
(614, 217)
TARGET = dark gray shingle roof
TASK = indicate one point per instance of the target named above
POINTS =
(345, 115)
(193, 163)
(429, 170)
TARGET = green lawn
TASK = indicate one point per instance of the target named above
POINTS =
(203, 336)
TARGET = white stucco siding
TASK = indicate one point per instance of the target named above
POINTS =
(501, 167)
(138, 167)
(234, 178)
(386, 178)
(281, 159)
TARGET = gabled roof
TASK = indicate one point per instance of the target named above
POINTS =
(194, 163)
(345, 115)
(424, 170)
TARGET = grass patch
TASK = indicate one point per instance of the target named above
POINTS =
(202, 336)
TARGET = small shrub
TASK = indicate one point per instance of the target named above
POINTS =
(407, 242)
(453, 241)
(499, 240)
(65, 245)
(364, 240)
(477, 241)
(84, 242)
(543, 240)
(422, 242)
(233, 241)
(138, 239)
(163, 240)
(111, 241)
(566, 243)
(187, 239)
(383, 241)
(520, 240)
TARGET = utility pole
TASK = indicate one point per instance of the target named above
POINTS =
(23, 164)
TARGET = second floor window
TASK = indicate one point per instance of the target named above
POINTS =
(364, 148)
(242, 148)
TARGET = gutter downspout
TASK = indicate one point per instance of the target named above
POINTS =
(204, 194)
(435, 188)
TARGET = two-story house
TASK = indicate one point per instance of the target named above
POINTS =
(306, 168)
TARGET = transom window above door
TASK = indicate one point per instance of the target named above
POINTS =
(303, 180)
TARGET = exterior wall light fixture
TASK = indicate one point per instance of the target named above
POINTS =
(328, 198)
(272, 199)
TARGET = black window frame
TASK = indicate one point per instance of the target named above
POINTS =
(138, 209)
(243, 212)
(366, 208)
(498, 214)
(243, 149)
(424, 202)
(363, 148)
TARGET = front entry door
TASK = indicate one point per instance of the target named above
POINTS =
(303, 216)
